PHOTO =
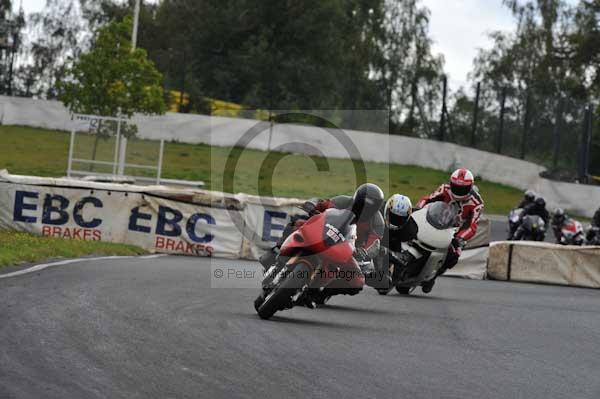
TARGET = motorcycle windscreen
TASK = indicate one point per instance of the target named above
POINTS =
(337, 226)
(534, 223)
(441, 215)
(515, 215)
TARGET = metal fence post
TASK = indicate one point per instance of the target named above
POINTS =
(160, 162)
(584, 145)
(475, 115)
(526, 124)
(71, 145)
(442, 131)
(117, 148)
(556, 133)
(588, 142)
(501, 129)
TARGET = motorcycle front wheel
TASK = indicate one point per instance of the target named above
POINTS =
(281, 295)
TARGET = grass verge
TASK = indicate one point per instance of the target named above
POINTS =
(42, 152)
(16, 248)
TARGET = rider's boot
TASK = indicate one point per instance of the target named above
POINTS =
(427, 286)
(269, 258)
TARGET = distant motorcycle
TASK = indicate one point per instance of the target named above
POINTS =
(421, 259)
(593, 235)
(571, 233)
(320, 264)
(532, 228)
(513, 221)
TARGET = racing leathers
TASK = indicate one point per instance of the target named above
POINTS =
(557, 228)
(367, 231)
(593, 231)
(392, 241)
(535, 209)
(524, 203)
(469, 212)
(596, 219)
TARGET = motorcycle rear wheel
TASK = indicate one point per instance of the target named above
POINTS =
(281, 295)
(404, 290)
(321, 298)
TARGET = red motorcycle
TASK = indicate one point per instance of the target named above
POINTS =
(572, 233)
(320, 264)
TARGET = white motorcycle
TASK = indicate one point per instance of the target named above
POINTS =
(422, 258)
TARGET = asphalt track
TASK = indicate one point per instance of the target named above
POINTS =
(154, 328)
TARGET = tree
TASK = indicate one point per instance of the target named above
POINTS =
(111, 79)
(11, 40)
(545, 82)
(284, 54)
(410, 73)
(55, 37)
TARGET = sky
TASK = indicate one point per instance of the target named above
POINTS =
(458, 27)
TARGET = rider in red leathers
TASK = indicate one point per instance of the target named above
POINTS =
(462, 192)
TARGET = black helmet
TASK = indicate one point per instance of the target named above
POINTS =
(529, 195)
(367, 200)
(559, 215)
(540, 202)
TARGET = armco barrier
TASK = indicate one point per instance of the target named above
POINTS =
(544, 263)
(162, 219)
(402, 150)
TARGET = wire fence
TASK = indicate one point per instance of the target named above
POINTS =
(559, 133)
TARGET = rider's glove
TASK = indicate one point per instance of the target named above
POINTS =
(458, 242)
(361, 255)
(373, 250)
(322, 205)
(310, 208)
(383, 251)
(457, 245)
(364, 261)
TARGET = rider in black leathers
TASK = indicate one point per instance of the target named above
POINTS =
(528, 199)
(594, 229)
(399, 228)
(365, 204)
(537, 208)
(596, 219)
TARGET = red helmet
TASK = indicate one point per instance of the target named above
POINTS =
(461, 183)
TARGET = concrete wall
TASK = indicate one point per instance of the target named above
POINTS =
(303, 139)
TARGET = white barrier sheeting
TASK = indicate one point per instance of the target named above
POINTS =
(264, 221)
(156, 218)
(471, 265)
(402, 150)
(162, 219)
(127, 217)
(545, 263)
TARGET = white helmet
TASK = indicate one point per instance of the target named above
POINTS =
(397, 211)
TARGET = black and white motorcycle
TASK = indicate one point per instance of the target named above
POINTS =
(422, 257)
(532, 228)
